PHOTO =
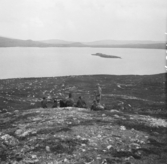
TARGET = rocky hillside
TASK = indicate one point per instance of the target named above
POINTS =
(80, 136)
(133, 129)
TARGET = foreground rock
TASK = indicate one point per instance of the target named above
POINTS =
(80, 136)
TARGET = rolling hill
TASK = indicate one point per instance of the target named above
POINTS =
(10, 42)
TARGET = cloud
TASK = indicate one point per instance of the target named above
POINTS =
(83, 19)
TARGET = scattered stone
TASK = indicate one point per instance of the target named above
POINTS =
(16, 111)
(18, 132)
(109, 146)
(9, 140)
(116, 116)
(114, 110)
(65, 160)
(122, 128)
(24, 132)
(47, 148)
(31, 161)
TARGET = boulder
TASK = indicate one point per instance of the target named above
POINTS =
(24, 132)
(9, 140)
(97, 106)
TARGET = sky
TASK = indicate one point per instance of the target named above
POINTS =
(84, 20)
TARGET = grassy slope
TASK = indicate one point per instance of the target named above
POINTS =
(139, 91)
(83, 136)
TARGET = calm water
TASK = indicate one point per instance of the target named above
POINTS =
(47, 62)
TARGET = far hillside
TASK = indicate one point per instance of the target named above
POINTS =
(11, 42)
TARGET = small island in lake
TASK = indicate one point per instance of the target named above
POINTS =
(106, 56)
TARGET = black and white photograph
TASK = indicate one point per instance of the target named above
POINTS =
(83, 82)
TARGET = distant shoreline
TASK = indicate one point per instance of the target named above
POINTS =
(10, 42)
(86, 75)
(114, 46)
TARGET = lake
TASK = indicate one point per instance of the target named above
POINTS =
(47, 62)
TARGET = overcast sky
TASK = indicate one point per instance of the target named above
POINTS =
(84, 20)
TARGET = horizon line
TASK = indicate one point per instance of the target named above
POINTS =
(82, 41)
